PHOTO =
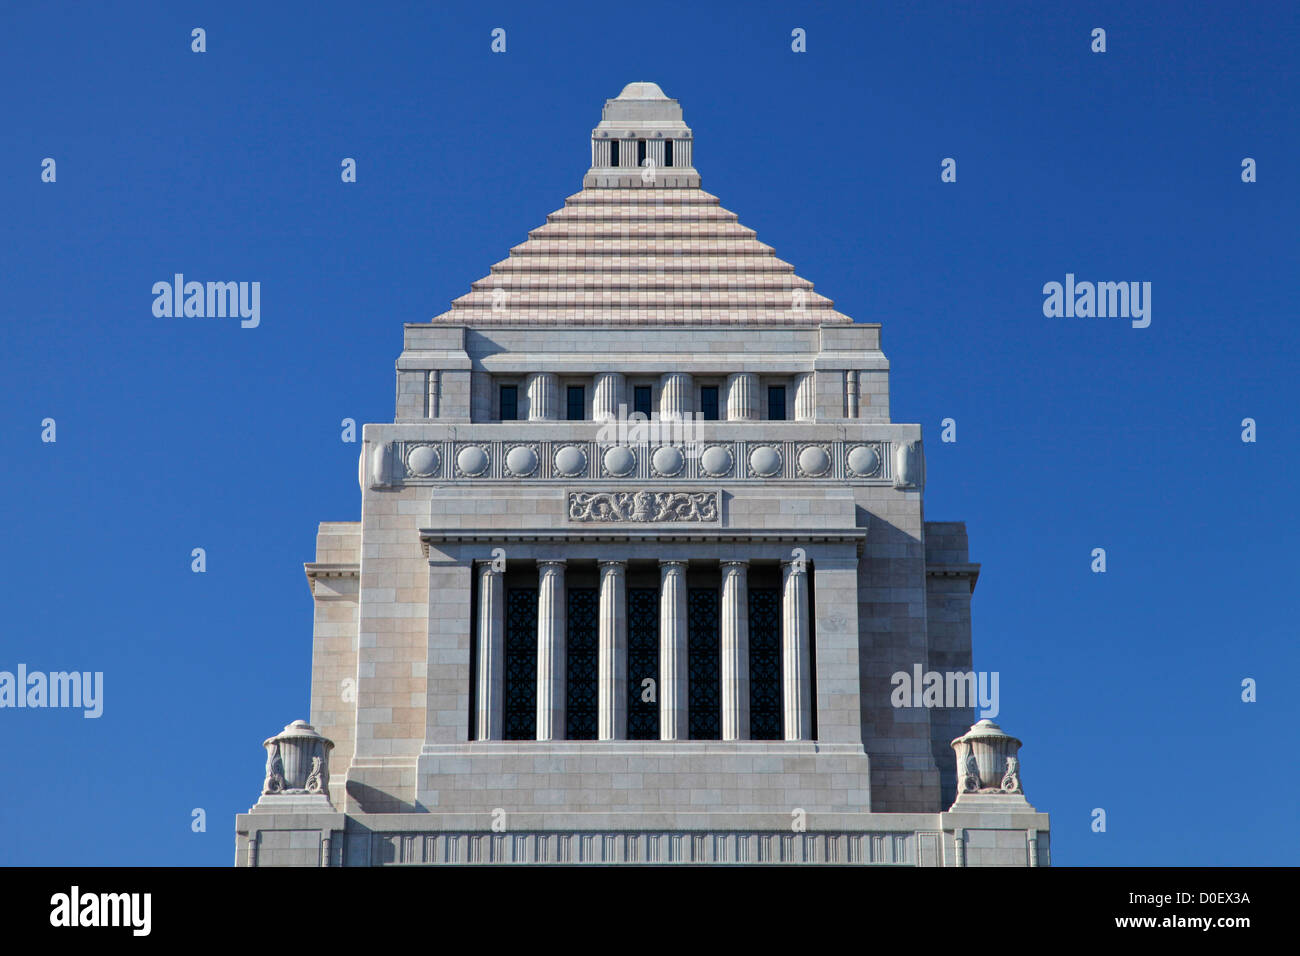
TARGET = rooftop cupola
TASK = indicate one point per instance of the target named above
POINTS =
(641, 141)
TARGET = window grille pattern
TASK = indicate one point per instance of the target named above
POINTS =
(704, 665)
(642, 662)
(582, 646)
(519, 700)
(765, 664)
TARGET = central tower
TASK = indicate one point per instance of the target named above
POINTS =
(637, 562)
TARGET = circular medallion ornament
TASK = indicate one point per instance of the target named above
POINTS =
(472, 461)
(716, 460)
(668, 461)
(864, 461)
(521, 461)
(570, 461)
(422, 460)
(619, 461)
(765, 461)
(814, 461)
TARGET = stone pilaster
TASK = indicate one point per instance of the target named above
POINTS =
(805, 397)
(491, 651)
(611, 662)
(607, 396)
(543, 397)
(673, 679)
(735, 650)
(742, 397)
(796, 657)
(851, 388)
(550, 650)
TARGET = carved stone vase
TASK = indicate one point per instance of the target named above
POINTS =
(297, 760)
(987, 760)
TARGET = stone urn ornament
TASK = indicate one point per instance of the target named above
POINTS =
(297, 761)
(987, 761)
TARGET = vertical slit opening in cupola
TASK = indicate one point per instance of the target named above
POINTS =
(668, 152)
(640, 152)
(613, 153)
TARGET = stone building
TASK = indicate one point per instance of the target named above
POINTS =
(637, 563)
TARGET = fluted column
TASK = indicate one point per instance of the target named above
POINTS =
(796, 653)
(491, 650)
(673, 686)
(742, 397)
(735, 650)
(543, 397)
(550, 650)
(607, 396)
(611, 661)
(805, 397)
(675, 395)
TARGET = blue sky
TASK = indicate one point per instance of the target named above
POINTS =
(1072, 433)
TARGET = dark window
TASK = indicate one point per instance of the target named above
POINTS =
(776, 403)
(703, 664)
(577, 409)
(668, 152)
(642, 662)
(613, 152)
(765, 664)
(582, 637)
(709, 403)
(520, 692)
(509, 402)
(640, 152)
(641, 400)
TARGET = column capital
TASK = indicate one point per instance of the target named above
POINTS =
(619, 564)
(737, 565)
(551, 563)
(489, 565)
(795, 565)
(668, 563)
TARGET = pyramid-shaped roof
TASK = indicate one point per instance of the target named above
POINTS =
(642, 244)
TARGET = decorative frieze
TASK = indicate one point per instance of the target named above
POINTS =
(680, 847)
(643, 506)
(567, 460)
